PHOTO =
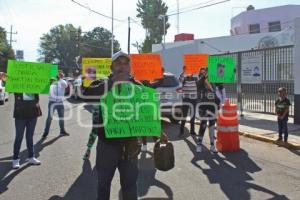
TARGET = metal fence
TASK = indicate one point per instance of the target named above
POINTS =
(277, 71)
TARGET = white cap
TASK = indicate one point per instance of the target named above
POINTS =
(119, 54)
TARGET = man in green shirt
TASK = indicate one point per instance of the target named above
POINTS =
(282, 105)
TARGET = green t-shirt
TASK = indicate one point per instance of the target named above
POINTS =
(281, 105)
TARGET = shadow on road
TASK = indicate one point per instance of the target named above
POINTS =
(147, 178)
(231, 172)
(6, 177)
(85, 186)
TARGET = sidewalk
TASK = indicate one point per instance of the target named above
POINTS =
(264, 127)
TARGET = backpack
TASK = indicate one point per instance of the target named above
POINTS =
(164, 158)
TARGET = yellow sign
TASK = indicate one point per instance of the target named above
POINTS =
(95, 68)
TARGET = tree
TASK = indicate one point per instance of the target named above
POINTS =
(59, 46)
(64, 43)
(97, 43)
(150, 11)
(6, 52)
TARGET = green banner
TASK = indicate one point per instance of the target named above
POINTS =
(54, 71)
(29, 77)
(221, 69)
(130, 110)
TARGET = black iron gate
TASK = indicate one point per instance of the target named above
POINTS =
(277, 71)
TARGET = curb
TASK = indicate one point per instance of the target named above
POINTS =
(291, 146)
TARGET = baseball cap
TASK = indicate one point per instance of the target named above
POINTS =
(118, 55)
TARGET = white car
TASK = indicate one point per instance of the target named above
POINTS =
(3, 95)
(170, 94)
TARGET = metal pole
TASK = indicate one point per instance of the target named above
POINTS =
(10, 37)
(112, 27)
(128, 50)
(164, 30)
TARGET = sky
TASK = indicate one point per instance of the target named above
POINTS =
(33, 18)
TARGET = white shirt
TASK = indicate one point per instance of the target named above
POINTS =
(57, 91)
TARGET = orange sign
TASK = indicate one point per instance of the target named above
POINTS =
(194, 62)
(146, 66)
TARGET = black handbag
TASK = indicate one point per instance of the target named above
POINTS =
(164, 158)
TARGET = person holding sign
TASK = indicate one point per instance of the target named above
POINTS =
(56, 96)
(26, 112)
(208, 106)
(189, 101)
(116, 153)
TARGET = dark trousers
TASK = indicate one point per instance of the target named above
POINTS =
(52, 106)
(21, 125)
(189, 106)
(283, 127)
(109, 158)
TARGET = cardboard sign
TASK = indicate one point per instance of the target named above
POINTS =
(194, 62)
(29, 77)
(130, 110)
(146, 66)
(221, 69)
(95, 68)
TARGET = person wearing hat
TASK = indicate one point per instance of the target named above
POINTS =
(112, 154)
(56, 97)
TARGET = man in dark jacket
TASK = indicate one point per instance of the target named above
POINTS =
(116, 153)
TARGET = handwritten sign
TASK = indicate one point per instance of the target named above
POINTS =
(221, 69)
(28, 77)
(130, 110)
(146, 66)
(95, 68)
(194, 62)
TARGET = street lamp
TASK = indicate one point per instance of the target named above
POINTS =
(112, 28)
(163, 17)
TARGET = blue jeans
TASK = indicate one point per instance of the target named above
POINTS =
(52, 106)
(283, 127)
(109, 158)
(20, 125)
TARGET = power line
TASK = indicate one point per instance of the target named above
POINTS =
(94, 11)
(190, 10)
(192, 6)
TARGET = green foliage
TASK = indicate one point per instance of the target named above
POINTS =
(149, 12)
(6, 52)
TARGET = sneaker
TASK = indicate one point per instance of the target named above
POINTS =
(144, 148)
(87, 155)
(33, 161)
(213, 149)
(44, 136)
(64, 133)
(199, 148)
(16, 164)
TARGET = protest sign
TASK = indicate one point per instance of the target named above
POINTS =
(95, 68)
(251, 69)
(130, 110)
(194, 62)
(146, 66)
(29, 77)
(221, 69)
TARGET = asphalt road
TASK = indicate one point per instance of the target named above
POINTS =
(258, 171)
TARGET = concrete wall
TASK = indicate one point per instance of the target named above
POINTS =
(297, 71)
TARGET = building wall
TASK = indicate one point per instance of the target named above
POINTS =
(172, 54)
(284, 14)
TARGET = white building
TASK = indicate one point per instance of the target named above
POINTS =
(265, 20)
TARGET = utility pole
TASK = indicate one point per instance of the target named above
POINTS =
(177, 16)
(112, 28)
(129, 29)
(11, 35)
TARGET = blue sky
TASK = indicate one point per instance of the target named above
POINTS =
(32, 18)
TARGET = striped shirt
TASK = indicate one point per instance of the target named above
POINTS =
(189, 86)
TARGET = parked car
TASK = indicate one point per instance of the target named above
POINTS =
(170, 95)
(3, 95)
